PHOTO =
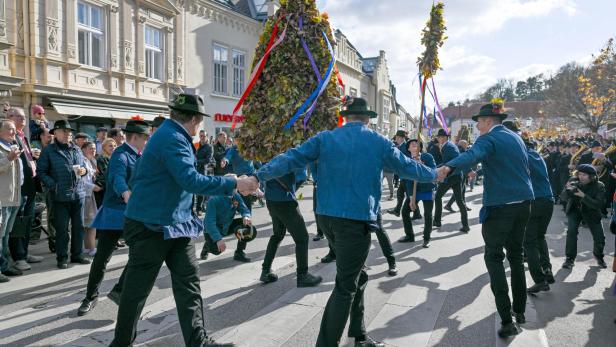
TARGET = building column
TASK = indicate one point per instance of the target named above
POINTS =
(169, 52)
(113, 38)
(140, 47)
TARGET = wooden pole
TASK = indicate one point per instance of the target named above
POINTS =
(419, 139)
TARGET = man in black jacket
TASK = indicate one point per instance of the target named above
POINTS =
(204, 158)
(584, 195)
(220, 149)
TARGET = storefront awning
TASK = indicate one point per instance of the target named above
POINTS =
(70, 107)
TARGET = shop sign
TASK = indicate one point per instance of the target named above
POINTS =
(228, 118)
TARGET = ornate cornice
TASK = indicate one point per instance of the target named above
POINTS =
(216, 13)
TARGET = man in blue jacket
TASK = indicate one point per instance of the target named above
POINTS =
(284, 210)
(239, 166)
(535, 245)
(109, 220)
(351, 160)
(60, 168)
(507, 195)
(449, 151)
(160, 226)
(219, 219)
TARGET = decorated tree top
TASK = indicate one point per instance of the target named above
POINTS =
(432, 37)
(295, 60)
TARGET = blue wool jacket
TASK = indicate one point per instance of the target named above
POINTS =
(505, 166)
(165, 179)
(428, 161)
(539, 176)
(240, 165)
(281, 188)
(220, 212)
(119, 172)
(448, 153)
(351, 160)
(55, 169)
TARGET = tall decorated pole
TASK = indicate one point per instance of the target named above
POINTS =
(432, 37)
(291, 94)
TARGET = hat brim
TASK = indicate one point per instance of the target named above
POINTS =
(54, 130)
(189, 111)
(370, 114)
(502, 116)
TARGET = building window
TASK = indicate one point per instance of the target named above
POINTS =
(386, 107)
(90, 35)
(220, 69)
(153, 53)
(353, 92)
(239, 63)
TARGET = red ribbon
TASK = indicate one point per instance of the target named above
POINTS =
(257, 73)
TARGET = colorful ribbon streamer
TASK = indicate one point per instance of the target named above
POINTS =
(314, 96)
(443, 122)
(260, 66)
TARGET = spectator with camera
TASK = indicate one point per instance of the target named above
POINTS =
(584, 196)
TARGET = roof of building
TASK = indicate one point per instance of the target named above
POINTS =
(524, 109)
(254, 9)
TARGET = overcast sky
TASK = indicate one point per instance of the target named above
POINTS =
(488, 39)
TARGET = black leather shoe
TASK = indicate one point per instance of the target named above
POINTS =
(448, 208)
(52, 246)
(538, 287)
(12, 272)
(82, 261)
(393, 270)
(114, 296)
(204, 253)
(426, 244)
(568, 264)
(86, 306)
(465, 229)
(394, 212)
(406, 239)
(549, 276)
(601, 263)
(520, 318)
(318, 238)
(417, 216)
(509, 329)
(436, 224)
(469, 209)
(241, 257)
(328, 259)
(308, 280)
(368, 342)
(267, 276)
(62, 265)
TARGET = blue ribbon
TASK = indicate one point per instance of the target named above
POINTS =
(314, 96)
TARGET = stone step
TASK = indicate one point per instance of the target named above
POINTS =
(409, 316)
(162, 315)
(531, 336)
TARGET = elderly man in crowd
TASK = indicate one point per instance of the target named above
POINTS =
(10, 195)
(19, 244)
(61, 167)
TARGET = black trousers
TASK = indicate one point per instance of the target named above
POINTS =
(107, 239)
(351, 241)
(314, 209)
(504, 228)
(248, 200)
(382, 237)
(18, 246)
(400, 196)
(408, 223)
(68, 212)
(241, 245)
(452, 198)
(574, 218)
(147, 252)
(535, 245)
(286, 216)
(456, 186)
